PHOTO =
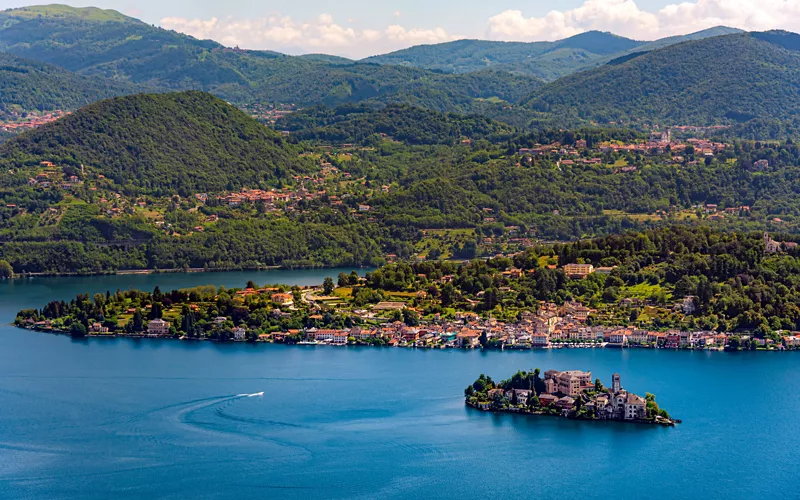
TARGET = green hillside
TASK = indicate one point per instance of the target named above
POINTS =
(128, 50)
(162, 143)
(357, 124)
(719, 80)
(27, 85)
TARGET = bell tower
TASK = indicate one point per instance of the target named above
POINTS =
(615, 383)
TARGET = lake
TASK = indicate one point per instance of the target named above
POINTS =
(136, 418)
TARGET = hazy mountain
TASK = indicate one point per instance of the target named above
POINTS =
(546, 60)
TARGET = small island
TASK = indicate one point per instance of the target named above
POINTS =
(570, 394)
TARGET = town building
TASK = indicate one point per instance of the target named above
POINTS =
(578, 271)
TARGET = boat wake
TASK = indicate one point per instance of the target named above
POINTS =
(254, 395)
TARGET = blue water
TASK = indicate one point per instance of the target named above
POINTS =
(131, 419)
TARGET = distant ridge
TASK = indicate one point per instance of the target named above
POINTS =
(546, 60)
(755, 76)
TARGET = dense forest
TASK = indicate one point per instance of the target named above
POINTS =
(176, 143)
(411, 125)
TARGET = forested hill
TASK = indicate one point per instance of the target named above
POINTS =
(101, 43)
(161, 143)
(361, 123)
(27, 85)
(719, 80)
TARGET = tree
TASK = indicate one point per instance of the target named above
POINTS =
(538, 383)
(156, 311)
(533, 401)
(410, 317)
(328, 286)
(137, 321)
(77, 330)
(6, 271)
(344, 279)
(187, 323)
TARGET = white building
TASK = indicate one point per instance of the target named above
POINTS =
(158, 327)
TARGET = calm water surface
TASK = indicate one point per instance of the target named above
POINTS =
(131, 419)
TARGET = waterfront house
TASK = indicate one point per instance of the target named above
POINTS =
(239, 333)
(547, 399)
(158, 327)
(565, 404)
(98, 328)
(540, 340)
(468, 338)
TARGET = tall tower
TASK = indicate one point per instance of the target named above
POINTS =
(615, 384)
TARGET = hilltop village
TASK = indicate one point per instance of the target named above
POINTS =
(571, 394)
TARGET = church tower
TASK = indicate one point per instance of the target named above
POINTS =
(615, 383)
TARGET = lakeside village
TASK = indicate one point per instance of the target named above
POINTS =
(571, 394)
(342, 316)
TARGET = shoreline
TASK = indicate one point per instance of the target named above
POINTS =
(192, 270)
(400, 346)
(527, 413)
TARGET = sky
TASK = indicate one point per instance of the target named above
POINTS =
(360, 28)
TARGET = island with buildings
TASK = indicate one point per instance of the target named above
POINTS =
(570, 394)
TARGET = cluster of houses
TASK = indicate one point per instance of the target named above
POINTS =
(268, 198)
(659, 143)
(52, 177)
(20, 124)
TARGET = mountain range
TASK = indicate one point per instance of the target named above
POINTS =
(91, 42)
(717, 76)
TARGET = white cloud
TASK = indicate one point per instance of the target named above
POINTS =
(397, 13)
(321, 34)
(624, 17)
